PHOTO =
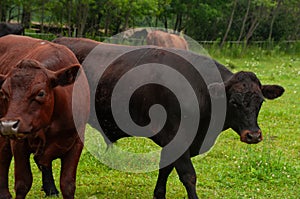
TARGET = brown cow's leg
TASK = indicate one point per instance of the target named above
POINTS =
(5, 159)
(23, 175)
(187, 174)
(47, 175)
(161, 183)
(69, 164)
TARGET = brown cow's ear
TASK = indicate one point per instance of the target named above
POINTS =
(272, 91)
(66, 76)
(2, 79)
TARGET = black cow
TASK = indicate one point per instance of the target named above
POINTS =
(10, 28)
(244, 95)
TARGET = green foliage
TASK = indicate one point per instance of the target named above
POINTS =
(257, 50)
(203, 20)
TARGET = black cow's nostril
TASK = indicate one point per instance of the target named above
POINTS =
(249, 136)
(259, 136)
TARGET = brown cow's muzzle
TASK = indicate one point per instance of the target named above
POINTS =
(9, 128)
(251, 137)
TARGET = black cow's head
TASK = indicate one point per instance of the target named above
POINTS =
(245, 95)
(27, 92)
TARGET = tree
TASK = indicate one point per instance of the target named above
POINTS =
(82, 8)
(274, 15)
(244, 20)
(260, 12)
(229, 23)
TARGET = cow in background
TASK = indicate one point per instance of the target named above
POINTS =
(36, 81)
(164, 39)
(11, 28)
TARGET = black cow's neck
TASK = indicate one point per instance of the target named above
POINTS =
(226, 74)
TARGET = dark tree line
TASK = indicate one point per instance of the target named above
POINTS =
(234, 20)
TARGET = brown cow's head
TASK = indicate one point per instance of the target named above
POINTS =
(245, 95)
(28, 93)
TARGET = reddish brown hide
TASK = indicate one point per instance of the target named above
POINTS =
(36, 82)
(164, 39)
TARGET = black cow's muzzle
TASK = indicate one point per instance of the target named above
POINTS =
(251, 137)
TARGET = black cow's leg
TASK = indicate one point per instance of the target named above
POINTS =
(5, 159)
(187, 174)
(161, 183)
(23, 175)
(69, 164)
(48, 181)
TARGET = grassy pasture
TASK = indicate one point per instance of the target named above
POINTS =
(270, 169)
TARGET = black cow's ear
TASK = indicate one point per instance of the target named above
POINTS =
(272, 91)
(66, 76)
(217, 90)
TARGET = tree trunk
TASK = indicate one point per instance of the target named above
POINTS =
(107, 23)
(251, 30)
(176, 22)
(43, 16)
(295, 35)
(244, 21)
(180, 24)
(2, 11)
(97, 22)
(273, 19)
(18, 16)
(127, 19)
(118, 26)
(26, 17)
(70, 8)
(166, 22)
(127, 15)
(82, 17)
(230, 23)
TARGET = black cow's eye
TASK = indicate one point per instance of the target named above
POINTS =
(234, 103)
(236, 100)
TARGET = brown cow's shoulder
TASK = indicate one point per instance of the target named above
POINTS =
(21, 47)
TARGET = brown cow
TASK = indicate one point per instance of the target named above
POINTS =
(243, 96)
(36, 82)
(164, 39)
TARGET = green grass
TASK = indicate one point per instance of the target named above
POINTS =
(270, 169)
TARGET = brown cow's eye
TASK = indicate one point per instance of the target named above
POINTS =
(40, 96)
(3, 95)
(42, 93)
